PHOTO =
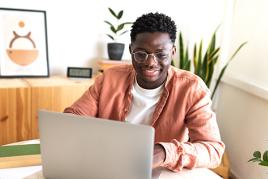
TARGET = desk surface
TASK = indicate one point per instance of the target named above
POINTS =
(35, 172)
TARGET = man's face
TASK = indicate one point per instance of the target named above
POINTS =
(152, 72)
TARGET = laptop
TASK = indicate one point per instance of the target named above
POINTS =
(82, 147)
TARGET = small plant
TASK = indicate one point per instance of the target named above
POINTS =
(203, 64)
(261, 159)
(118, 28)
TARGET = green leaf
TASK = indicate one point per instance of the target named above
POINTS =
(187, 66)
(113, 29)
(204, 68)
(109, 23)
(120, 27)
(265, 156)
(181, 50)
(195, 57)
(263, 163)
(126, 23)
(112, 12)
(172, 63)
(224, 68)
(110, 36)
(254, 160)
(214, 53)
(212, 43)
(120, 14)
(199, 60)
(257, 154)
(124, 32)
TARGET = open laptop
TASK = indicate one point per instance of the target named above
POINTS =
(80, 147)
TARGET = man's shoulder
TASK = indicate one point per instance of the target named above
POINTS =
(124, 68)
(119, 71)
(183, 76)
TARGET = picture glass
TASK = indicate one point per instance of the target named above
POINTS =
(23, 43)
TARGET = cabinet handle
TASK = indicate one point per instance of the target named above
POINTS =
(4, 118)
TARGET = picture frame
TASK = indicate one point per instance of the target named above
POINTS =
(23, 43)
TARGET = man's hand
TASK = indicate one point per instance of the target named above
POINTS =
(159, 155)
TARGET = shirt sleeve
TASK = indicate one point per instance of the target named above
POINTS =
(205, 148)
(87, 104)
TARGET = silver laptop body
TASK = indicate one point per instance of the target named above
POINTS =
(79, 147)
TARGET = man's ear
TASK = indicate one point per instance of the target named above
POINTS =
(174, 49)
(129, 48)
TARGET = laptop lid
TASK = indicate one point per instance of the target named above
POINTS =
(79, 147)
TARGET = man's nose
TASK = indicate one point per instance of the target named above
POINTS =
(151, 59)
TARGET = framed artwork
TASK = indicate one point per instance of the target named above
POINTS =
(23, 43)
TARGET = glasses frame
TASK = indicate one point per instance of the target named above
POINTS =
(152, 54)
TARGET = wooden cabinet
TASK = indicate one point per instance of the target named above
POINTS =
(20, 100)
(15, 121)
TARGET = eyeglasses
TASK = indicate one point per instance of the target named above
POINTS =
(141, 56)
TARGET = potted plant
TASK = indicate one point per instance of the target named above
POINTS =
(204, 64)
(115, 49)
(261, 159)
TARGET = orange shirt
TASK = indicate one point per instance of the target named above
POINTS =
(183, 112)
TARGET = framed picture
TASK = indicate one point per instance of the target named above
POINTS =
(23, 43)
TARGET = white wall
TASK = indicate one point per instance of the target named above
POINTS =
(243, 98)
(76, 32)
(243, 121)
(250, 24)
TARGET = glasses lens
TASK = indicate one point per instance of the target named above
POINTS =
(140, 56)
(161, 56)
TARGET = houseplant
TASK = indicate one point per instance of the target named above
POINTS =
(204, 61)
(261, 159)
(204, 65)
(115, 49)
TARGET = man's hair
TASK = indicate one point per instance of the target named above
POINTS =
(154, 22)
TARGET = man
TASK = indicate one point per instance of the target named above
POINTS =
(151, 92)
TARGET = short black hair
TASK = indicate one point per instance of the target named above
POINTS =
(154, 22)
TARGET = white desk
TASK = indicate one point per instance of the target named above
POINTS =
(35, 172)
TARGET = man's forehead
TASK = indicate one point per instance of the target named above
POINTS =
(156, 39)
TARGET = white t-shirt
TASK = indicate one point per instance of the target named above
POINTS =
(143, 104)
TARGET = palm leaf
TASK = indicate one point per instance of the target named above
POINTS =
(224, 68)
(181, 50)
(195, 58)
(199, 59)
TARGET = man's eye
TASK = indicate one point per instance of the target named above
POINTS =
(140, 55)
(161, 55)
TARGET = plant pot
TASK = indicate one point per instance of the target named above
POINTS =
(115, 51)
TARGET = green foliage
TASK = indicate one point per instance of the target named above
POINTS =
(185, 61)
(261, 159)
(117, 29)
(204, 65)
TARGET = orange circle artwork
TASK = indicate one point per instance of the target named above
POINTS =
(21, 24)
